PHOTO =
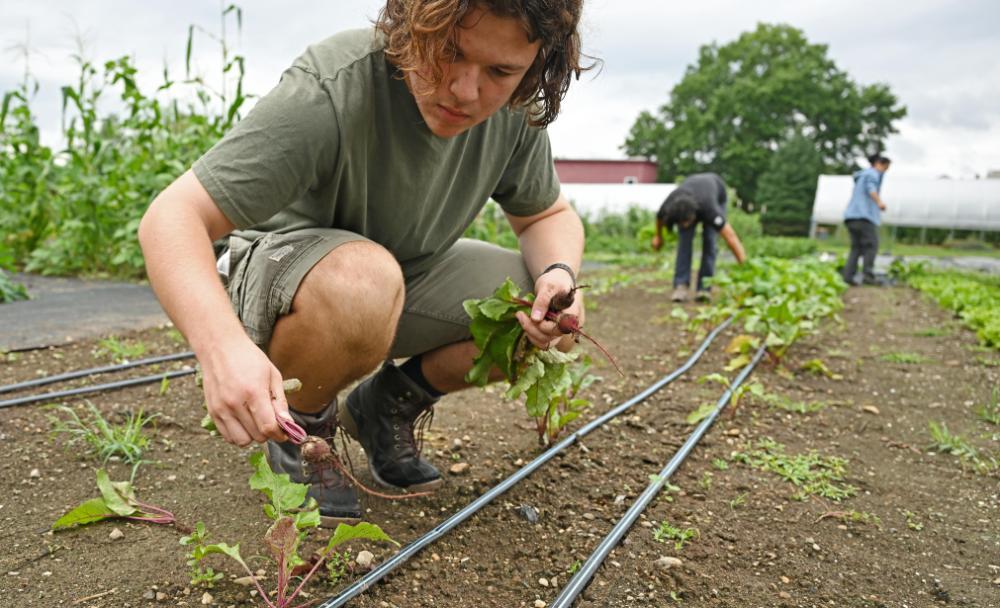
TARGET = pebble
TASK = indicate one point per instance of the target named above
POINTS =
(589, 516)
(539, 604)
(785, 595)
(161, 596)
(544, 582)
(365, 559)
(207, 598)
(149, 595)
(245, 581)
(116, 534)
(35, 474)
(459, 468)
(529, 513)
(786, 580)
(667, 562)
(456, 445)
(871, 409)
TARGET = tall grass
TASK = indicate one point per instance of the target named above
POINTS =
(75, 210)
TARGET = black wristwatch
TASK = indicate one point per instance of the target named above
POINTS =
(561, 266)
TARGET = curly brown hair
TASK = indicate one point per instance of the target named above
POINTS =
(421, 33)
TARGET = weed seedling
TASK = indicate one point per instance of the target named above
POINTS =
(799, 407)
(813, 474)
(574, 567)
(202, 576)
(706, 481)
(103, 439)
(912, 522)
(990, 412)
(680, 536)
(739, 501)
(720, 464)
(905, 358)
(119, 351)
(819, 368)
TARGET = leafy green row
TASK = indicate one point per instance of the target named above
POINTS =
(975, 301)
(782, 300)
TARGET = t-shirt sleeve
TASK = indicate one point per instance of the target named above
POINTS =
(871, 183)
(529, 184)
(283, 148)
(714, 216)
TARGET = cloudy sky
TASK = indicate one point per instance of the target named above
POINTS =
(935, 55)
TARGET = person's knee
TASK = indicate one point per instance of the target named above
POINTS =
(358, 287)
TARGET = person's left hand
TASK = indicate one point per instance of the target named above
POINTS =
(541, 332)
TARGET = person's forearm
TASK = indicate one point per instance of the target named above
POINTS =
(878, 199)
(181, 269)
(734, 243)
(556, 238)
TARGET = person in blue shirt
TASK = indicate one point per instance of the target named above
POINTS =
(862, 218)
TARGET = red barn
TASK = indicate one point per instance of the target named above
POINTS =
(595, 171)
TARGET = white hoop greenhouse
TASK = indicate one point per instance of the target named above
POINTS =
(917, 202)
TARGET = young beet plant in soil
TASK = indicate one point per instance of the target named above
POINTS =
(117, 501)
(548, 379)
(292, 520)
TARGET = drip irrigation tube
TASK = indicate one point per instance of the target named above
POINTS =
(582, 577)
(362, 584)
(93, 372)
(97, 388)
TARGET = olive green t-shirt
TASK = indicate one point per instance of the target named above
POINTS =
(340, 143)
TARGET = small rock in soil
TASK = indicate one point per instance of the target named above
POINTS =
(207, 598)
(544, 582)
(116, 534)
(529, 513)
(149, 595)
(667, 562)
(161, 596)
(245, 581)
(458, 468)
(365, 559)
(35, 474)
(539, 604)
(871, 409)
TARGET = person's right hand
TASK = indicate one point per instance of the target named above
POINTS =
(657, 242)
(882, 206)
(243, 393)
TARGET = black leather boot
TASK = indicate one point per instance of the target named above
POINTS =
(381, 413)
(337, 498)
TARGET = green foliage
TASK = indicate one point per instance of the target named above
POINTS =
(911, 521)
(117, 500)
(819, 368)
(947, 442)
(990, 412)
(680, 536)
(905, 358)
(76, 210)
(203, 576)
(781, 300)
(720, 464)
(780, 247)
(11, 291)
(119, 351)
(101, 438)
(813, 474)
(743, 100)
(974, 298)
(291, 523)
(546, 378)
(787, 189)
(789, 405)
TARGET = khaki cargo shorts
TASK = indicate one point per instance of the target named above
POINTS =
(263, 275)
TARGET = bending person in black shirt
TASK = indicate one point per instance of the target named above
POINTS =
(701, 198)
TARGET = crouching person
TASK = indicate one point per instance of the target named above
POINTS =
(335, 208)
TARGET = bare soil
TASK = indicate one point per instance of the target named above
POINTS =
(936, 540)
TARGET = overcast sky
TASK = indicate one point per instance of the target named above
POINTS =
(939, 57)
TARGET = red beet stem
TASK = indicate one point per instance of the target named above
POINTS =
(296, 434)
